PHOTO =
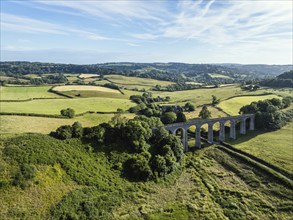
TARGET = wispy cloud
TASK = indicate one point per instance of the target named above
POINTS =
(24, 24)
(154, 25)
(133, 45)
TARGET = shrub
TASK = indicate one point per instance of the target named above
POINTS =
(64, 132)
(70, 113)
(26, 172)
(137, 168)
(77, 130)
(168, 118)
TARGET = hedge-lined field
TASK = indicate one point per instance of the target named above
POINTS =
(204, 96)
(25, 92)
(12, 124)
(232, 106)
(275, 147)
(136, 82)
(53, 106)
(84, 88)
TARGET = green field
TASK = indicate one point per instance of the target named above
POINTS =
(232, 106)
(136, 82)
(275, 147)
(13, 124)
(25, 92)
(203, 96)
(53, 106)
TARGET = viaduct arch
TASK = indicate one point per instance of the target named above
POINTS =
(198, 123)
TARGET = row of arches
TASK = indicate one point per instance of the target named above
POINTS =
(210, 125)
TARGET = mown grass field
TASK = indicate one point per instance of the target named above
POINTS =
(25, 92)
(54, 106)
(216, 75)
(84, 88)
(232, 106)
(275, 147)
(88, 75)
(13, 124)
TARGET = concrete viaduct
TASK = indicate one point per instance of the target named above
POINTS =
(198, 123)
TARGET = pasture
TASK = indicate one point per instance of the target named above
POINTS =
(232, 106)
(25, 92)
(136, 82)
(53, 106)
(13, 124)
(84, 88)
(275, 147)
(203, 96)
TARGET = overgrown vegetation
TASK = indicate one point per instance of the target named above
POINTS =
(151, 150)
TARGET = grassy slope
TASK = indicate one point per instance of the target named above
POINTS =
(207, 188)
(25, 92)
(232, 106)
(53, 106)
(275, 147)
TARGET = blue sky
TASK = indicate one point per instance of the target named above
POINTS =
(84, 32)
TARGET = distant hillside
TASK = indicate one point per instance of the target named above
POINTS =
(283, 80)
(286, 75)
(260, 69)
(175, 72)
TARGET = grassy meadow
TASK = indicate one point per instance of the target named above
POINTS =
(204, 96)
(136, 82)
(25, 92)
(232, 106)
(53, 106)
(275, 147)
(13, 124)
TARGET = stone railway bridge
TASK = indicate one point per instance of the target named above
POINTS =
(198, 123)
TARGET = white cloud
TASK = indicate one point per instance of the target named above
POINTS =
(133, 45)
(24, 24)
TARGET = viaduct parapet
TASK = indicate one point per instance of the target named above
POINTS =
(198, 123)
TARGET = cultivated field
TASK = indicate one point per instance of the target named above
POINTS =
(84, 88)
(275, 147)
(216, 75)
(25, 92)
(53, 106)
(232, 106)
(86, 75)
(131, 82)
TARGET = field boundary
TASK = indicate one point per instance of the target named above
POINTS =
(58, 93)
(27, 100)
(58, 116)
(256, 159)
(276, 175)
(236, 96)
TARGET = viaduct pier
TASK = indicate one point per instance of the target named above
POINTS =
(198, 123)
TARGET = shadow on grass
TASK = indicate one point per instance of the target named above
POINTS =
(240, 138)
